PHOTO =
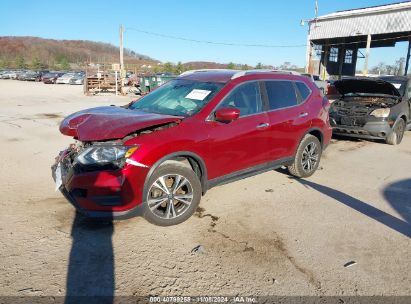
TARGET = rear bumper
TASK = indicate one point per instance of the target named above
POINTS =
(372, 130)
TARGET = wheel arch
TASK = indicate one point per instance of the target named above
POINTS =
(195, 161)
(315, 132)
(404, 117)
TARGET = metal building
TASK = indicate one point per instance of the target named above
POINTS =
(338, 36)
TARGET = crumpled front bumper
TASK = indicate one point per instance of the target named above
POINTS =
(371, 129)
(102, 193)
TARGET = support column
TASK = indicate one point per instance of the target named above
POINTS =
(367, 55)
(309, 52)
(407, 61)
(325, 62)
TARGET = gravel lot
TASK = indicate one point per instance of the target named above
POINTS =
(265, 235)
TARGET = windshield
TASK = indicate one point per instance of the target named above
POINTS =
(399, 85)
(178, 97)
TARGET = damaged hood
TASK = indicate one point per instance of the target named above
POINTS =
(105, 123)
(366, 86)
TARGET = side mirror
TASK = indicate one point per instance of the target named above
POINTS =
(227, 115)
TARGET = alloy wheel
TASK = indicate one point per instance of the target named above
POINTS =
(170, 196)
(310, 157)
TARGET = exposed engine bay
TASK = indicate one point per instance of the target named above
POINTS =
(354, 110)
(362, 105)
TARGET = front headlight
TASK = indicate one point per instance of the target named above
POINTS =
(381, 112)
(105, 154)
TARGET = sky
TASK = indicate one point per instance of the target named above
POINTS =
(268, 22)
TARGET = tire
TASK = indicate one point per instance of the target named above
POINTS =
(172, 204)
(397, 133)
(302, 166)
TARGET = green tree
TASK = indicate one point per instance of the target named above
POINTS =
(259, 66)
(64, 64)
(3, 64)
(231, 66)
(168, 67)
(20, 63)
(179, 68)
(36, 64)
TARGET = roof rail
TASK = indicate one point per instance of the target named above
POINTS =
(240, 73)
(249, 72)
(204, 70)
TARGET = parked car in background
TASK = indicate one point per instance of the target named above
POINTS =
(321, 84)
(65, 78)
(157, 156)
(31, 76)
(375, 108)
(51, 77)
(78, 78)
(5, 74)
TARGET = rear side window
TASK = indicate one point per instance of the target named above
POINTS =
(303, 89)
(281, 94)
(246, 98)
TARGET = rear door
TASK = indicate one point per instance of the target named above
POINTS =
(242, 143)
(288, 115)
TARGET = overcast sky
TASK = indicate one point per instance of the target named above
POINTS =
(265, 22)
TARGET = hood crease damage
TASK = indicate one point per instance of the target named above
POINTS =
(110, 123)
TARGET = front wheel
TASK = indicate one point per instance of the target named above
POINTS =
(397, 133)
(307, 158)
(173, 194)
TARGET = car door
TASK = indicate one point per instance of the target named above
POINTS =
(288, 116)
(242, 143)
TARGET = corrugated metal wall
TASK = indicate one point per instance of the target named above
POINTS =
(373, 23)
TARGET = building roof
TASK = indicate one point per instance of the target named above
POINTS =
(367, 10)
(391, 21)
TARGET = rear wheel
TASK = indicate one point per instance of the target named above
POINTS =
(397, 133)
(307, 158)
(174, 192)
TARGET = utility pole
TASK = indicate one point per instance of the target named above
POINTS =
(121, 48)
(122, 72)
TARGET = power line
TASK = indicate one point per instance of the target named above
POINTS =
(214, 42)
(254, 45)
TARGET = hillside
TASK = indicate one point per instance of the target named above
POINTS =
(19, 52)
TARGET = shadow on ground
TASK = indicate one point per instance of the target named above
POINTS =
(90, 277)
(397, 194)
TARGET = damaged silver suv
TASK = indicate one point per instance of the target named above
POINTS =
(374, 108)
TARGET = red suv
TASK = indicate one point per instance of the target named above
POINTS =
(157, 156)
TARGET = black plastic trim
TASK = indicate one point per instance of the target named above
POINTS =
(232, 177)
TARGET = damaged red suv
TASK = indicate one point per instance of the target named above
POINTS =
(157, 156)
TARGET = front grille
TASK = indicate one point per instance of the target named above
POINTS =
(355, 121)
(352, 111)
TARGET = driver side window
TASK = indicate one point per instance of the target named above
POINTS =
(246, 97)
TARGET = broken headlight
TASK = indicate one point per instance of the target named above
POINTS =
(105, 154)
(381, 112)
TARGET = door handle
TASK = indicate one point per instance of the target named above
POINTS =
(263, 125)
(303, 114)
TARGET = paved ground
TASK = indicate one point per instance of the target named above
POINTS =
(265, 235)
